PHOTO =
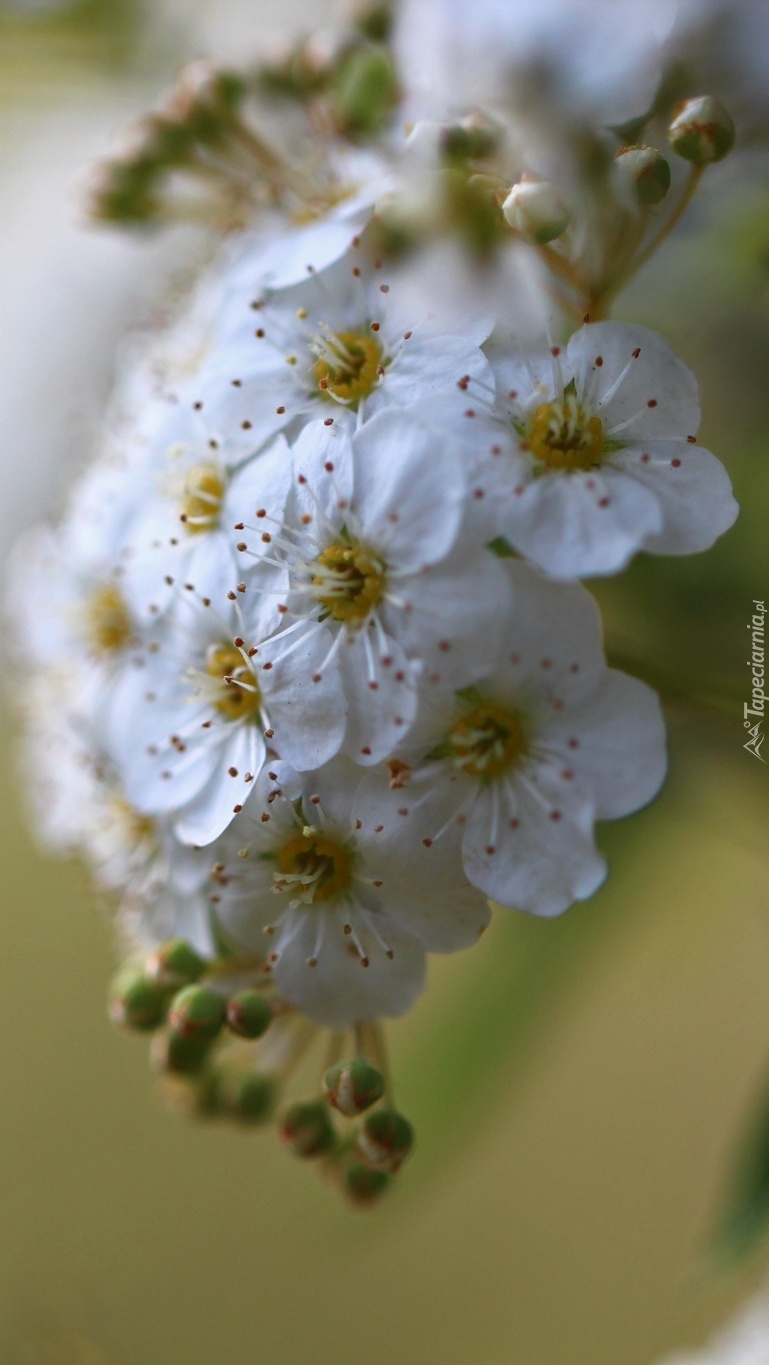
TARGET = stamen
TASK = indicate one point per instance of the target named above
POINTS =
(487, 741)
(349, 582)
(348, 365)
(237, 697)
(563, 435)
(108, 621)
(314, 866)
(204, 489)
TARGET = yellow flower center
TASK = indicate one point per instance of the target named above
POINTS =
(237, 696)
(314, 867)
(487, 741)
(138, 828)
(563, 436)
(204, 488)
(349, 582)
(348, 366)
(109, 624)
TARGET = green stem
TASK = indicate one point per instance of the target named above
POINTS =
(688, 193)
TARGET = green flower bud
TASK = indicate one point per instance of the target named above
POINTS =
(646, 171)
(174, 964)
(468, 141)
(384, 1140)
(135, 1002)
(247, 1097)
(365, 91)
(702, 131)
(306, 1129)
(200, 87)
(249, 1014)
(197, 1012)
(123, 193)
(471, 210)
(374, 20)
(171, 1053)
(353, 1086)
(394, 231)
(363, 1185)
(168, 142)
(537, 210)
(301, 75)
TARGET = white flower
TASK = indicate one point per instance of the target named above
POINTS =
(161, 885)
(588, 454)
(347, 915)
(343, 345)
(205, 478)
(377, 563)
(188, 730)
(278, 254)
(75, 629)
(590, 60)
(167, 894)
(526, 760)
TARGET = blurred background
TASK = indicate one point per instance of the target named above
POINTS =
(581, 1088)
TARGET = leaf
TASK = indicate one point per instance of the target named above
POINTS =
(746, 1218)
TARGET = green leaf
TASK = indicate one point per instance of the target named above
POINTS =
(746, 1217)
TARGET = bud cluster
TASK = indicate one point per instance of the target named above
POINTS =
(360, 1157)
(200, 1029)
(201, 156)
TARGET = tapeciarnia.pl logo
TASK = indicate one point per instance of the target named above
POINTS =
(753, 711)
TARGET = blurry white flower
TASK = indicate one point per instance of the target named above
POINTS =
(599, 61)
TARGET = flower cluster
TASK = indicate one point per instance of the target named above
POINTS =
(310, 673)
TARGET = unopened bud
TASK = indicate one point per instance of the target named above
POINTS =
(306, 1129)
(197, 1012)
(537, 210)
(174, 964)
(353, 1086)
(296, 76)
(135, 1002)
(249, 1014)
(363, 1185)
(384, 1140)
(178, 1056)
(248, 1097)
(468, 141)
(374, 20)
(646, 172)
(702, 131)
(365, 91)
(168, 142)
(203, 85)
(471, 210)
(395, 230)
(120, 193)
